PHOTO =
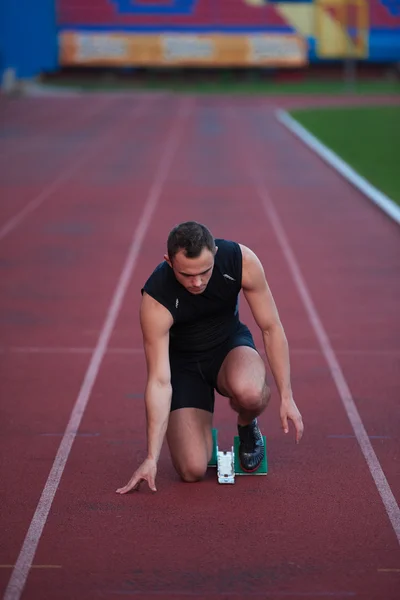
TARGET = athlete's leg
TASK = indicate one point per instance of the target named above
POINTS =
(189, 433)
(189, 437)
(242, 378)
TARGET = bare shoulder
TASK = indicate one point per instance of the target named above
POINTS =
(253, 275)
(155, 319)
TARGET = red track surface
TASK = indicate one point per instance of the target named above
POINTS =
(316, 526)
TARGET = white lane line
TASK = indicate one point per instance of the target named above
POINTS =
(35, 143)
(127, 350)
(97, 147)
(23, 564)
(65, 350)
(374, 466)
(230, 594)
(388, 205)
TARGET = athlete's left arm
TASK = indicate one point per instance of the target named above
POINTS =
(259, 297)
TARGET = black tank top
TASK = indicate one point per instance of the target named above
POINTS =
(201, 321)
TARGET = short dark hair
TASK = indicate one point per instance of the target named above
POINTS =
(192, 238)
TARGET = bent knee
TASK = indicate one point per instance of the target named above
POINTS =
(192, 472)
(191, 475)
(253, 396)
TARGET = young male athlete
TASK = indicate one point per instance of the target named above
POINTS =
(194, 344)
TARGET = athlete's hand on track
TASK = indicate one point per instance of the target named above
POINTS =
(146, 472)
(290, 411)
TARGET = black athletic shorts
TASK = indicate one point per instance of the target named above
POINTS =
(194, 376)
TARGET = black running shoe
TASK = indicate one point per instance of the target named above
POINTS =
(251, 446)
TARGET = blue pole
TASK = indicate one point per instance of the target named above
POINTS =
(28, 37)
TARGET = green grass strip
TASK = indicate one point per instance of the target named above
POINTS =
(367, 138)
(226, 84)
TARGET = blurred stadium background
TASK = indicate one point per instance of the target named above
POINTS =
(48, 39)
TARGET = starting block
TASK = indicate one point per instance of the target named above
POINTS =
(227, 461)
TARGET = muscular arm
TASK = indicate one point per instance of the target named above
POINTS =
(156, 321)
(262, 305)
(263, 308)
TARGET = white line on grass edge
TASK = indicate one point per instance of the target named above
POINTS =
(21, 570)
(376, 196)
(382, 485)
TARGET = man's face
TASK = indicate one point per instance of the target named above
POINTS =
(193, 273)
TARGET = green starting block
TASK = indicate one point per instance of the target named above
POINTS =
(227, 462)
(213, 460)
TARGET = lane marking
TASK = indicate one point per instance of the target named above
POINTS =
(97, 147)
(272, 594)
(388, 205)
(33, 144)
(20, 573)
(127, 350)
(76, 433)
(388, 570)
(65, 350)
(33, 566)
(343, 389)
(353, 437)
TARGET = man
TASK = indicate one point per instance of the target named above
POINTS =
(194, 344)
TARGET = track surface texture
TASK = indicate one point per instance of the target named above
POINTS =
(90, 187)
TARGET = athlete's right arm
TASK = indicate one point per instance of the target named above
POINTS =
(155, 321)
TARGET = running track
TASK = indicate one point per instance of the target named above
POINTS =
(90, 187)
